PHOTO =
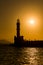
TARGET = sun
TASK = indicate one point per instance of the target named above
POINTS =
(32, 22)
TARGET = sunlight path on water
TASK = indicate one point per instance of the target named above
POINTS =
(32, 56)
(10, 55)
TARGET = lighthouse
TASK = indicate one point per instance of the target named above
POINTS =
(18, 28)
(18, 40)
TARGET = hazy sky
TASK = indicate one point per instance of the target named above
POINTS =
(10, 10)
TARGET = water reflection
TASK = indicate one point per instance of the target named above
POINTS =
(27, 56)
(33, 56)
(21, 56)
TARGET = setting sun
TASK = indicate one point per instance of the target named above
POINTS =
(32, 22)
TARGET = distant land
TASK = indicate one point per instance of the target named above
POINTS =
(4, 42)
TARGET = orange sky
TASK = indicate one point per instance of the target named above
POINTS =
(10, 10)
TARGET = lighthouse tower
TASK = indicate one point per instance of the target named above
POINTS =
(18, 40)
(18, 28)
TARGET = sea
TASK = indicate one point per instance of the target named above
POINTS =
(10, 55)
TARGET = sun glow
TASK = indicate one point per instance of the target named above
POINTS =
(32, 22)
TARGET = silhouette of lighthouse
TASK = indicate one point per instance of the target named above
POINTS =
(18, 28)
(18, 39)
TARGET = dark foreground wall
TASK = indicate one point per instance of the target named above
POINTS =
(25, 44)
(29, 44)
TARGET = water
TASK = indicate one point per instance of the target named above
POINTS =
(20, 56)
